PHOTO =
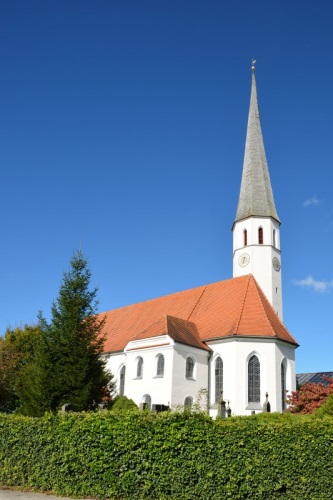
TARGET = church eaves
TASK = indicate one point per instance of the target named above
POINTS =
(256, 195)
(227, 309)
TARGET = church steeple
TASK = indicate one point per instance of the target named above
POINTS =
(256, 196)
(256, 229)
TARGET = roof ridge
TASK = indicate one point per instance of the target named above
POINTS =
(162, 317)
(176, 327)
(258, 288)
(243, 304)
(197, 302)
(177, 318)
(261, 295)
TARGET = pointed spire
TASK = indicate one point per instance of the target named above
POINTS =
(256, 196)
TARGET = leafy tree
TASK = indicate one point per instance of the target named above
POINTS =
(326, 408)
(17, 349)
(68, 366)
(310, 396)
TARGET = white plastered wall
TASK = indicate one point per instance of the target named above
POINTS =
(115, 362)
(182, 387)
(235, 354)
(261, 256)
(157, 387)
(172, 389)
(169, 390)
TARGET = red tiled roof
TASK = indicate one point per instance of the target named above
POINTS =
(178, 329)
(234, 307)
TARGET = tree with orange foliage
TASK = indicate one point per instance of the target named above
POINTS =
(310, 396)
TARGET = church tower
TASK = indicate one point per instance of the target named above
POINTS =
(256, 230)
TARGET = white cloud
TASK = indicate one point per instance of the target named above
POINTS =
(316, 285)
(311, 201)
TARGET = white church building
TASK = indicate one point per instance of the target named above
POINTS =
(226, 337)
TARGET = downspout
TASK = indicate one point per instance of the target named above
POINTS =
(209, 379)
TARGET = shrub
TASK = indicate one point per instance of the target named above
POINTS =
(310, 396)
(326, 408)
(122, 403)
(177, 456)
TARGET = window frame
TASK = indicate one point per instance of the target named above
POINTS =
(188, 403)
(260, 235)
(245, 237)
(283, 386)
(160, 365)
(253, 380)
(139, 368)
(147, 400)
(218, 384)
(189, 368)
(122, 375)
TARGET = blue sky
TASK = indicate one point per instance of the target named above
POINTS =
(122, 133)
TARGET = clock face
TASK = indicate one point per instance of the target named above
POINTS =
(276, 264)
(244, 259)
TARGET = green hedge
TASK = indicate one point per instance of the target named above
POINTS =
(169, 456)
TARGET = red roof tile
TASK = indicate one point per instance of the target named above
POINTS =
(178, 329)
(234, 307)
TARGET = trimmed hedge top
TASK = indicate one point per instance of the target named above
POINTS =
(169, 456)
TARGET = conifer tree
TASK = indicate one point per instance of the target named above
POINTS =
(68, 367)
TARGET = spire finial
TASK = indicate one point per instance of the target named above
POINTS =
(253, 65)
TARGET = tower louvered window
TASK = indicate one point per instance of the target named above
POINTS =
(139, 368)
(260, 236)
(283, 387)
(245, 237)
(254, 380)
(122, 381)
(218, 379)
(189, 368)
(160, 366)
(274, 238)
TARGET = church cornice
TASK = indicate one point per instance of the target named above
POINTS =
(236, 337)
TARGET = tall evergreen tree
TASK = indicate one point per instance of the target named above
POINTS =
(68, 366)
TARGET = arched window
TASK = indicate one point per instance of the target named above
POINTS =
(254, 380)
(139, 368)
(188, 403)
(283, 386)
(274, 238)
(147, 401)
(122, 381)
(260, 236)
(160, 365)
(245, 237)
(218, 379)
(189, 367)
